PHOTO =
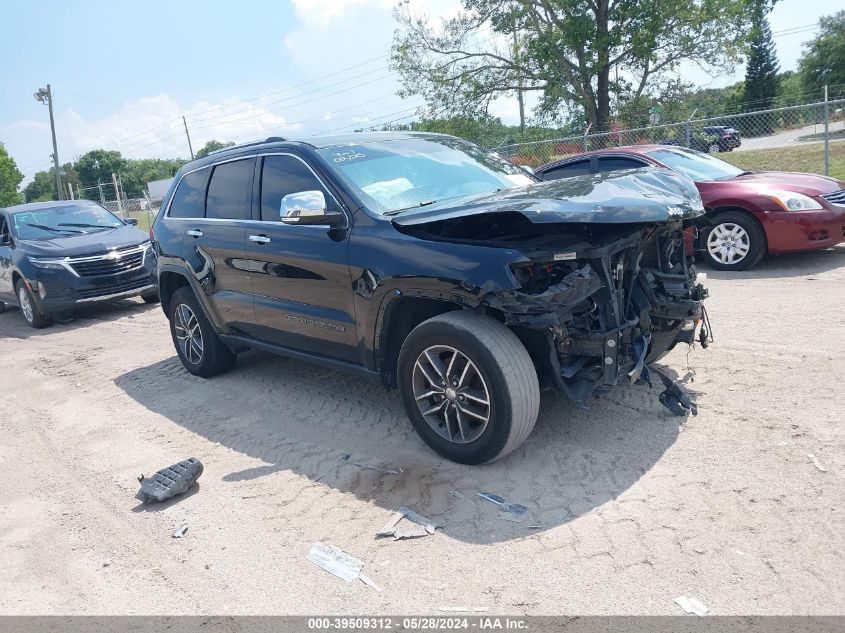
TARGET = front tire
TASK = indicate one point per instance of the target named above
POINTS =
(734, 242)
(29, 309)
(468, 386)
(197, 344)
(151, 298)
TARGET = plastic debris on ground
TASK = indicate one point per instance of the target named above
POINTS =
(816, 462)
(514, 511)
(169, 482)
(427, 526)
(335, 561)
(338, 563)
(691, 605)
(180, 531)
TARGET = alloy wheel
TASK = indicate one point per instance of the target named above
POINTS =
(451, 394)
(188, 334)
(728, 243)
(26, 305)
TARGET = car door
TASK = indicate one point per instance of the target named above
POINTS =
(300, 274)
(7, 291)
(220, 201)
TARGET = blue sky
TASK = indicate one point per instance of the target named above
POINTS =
(123, 73)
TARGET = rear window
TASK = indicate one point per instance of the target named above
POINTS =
(189, 198)
(578, 168)
(230, 191)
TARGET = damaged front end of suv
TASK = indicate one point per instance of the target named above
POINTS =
(604, 283)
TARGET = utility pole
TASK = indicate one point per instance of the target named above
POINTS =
(189, 137)
(45, 95)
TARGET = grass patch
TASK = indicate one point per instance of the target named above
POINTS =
(805, 158)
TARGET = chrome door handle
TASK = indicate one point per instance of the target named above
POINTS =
(195, 233)
(259, 239)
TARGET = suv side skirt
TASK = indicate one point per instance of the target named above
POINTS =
(235, 341)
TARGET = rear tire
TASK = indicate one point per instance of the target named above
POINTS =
(732, 234)
(482, 385)
(29, 309)
(197, 344)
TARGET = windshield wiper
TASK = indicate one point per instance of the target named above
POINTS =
(424, 203)
(52, 229)
(87, 226)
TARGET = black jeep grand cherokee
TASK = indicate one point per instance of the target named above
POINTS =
(431, 265)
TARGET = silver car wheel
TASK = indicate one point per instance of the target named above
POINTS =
(451, 394)
(26, 305)
(728, 243)
(188, 334)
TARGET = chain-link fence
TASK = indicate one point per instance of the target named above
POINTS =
(796, 138)
(117, 201)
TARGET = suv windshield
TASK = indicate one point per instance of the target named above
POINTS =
(62, 221)
(696, 165)
(395, 175)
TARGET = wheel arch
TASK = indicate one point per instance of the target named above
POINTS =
(401, 315)
(169, 281)
(713, 212)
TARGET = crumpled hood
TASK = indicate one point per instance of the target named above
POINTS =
(650, 194)
(88, 244)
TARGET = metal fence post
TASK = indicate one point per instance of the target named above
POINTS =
(586, 132)
(688, 129)
(826, 134)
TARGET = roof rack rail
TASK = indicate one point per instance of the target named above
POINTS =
(272, 139)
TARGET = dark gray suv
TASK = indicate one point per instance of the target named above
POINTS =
(423, 262)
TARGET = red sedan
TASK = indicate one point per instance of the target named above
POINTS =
(753, 213)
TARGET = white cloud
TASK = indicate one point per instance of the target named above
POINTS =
(147, 127)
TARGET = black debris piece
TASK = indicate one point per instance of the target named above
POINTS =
(171, 481)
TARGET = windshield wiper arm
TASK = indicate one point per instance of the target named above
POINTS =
(87, 226)
(52, 229)
(424, 203)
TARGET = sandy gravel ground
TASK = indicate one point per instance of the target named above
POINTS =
(637, 507)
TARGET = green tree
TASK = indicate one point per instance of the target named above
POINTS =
(212, 146)
(10, 178)
(98, 165)
(762, 83)
(138, 173)
(823, 61)
(567, 51)
(42, 187)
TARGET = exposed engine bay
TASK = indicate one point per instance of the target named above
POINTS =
(607, 300)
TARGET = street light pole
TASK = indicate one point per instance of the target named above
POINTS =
(45, 95)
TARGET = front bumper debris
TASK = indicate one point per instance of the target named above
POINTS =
(169, 482)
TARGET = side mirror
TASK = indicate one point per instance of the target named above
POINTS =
(309, 208)
(131, 221)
